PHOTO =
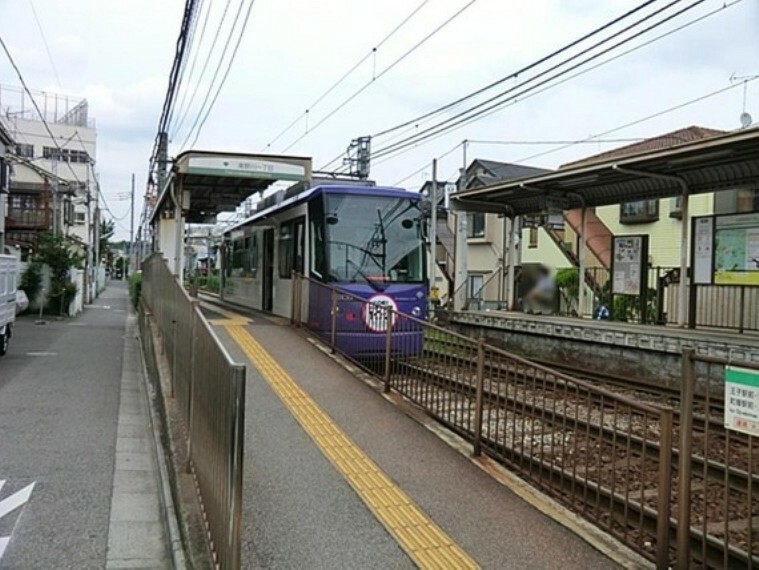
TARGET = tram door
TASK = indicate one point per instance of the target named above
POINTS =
(268, 266)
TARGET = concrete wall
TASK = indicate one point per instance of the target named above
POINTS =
(644, 352)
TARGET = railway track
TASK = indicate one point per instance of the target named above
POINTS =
(545, 415)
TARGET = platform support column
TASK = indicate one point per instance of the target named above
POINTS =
(581, 255)
(511, 297)
(682, 309)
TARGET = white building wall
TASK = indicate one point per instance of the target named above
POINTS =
(71, 138)
(665, 234)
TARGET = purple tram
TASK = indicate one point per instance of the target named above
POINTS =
(364, 241)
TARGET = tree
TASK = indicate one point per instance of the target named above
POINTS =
(53, 250)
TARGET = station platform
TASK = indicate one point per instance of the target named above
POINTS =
(607, 346)
(338, 476)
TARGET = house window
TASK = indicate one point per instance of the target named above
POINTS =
(475, 225)
(747, 201)
(65, 155)
(25, 150)
(639, 212)
(533, 243)
(80, 218)
(476, 284)
(676, 207)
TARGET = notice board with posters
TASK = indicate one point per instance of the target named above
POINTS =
(725, 249)
(629, 264)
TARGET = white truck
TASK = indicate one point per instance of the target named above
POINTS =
(8, 284)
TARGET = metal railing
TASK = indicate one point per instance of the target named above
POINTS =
(719, 516)
(602, 454)
(210, 391)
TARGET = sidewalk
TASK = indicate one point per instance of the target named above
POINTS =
(75, 434)
(304, 509)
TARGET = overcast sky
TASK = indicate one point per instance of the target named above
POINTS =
(117, 54)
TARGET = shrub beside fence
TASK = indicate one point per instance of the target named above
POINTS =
(210, 391)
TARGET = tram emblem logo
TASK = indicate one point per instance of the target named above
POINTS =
(375, 312)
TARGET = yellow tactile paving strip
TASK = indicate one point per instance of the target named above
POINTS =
(424, 541)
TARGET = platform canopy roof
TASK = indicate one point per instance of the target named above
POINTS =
(220, 181)
(724, 162)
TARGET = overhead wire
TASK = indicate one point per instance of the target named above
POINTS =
(190, 42)
(532, 91)
(348, 73)
(47, 47)
(227, 43)
(413, 124)
(183, 115)
(592, 138)
(226, 72)
(498, 99)
(516, 73)
(387, 69)
(635, 122)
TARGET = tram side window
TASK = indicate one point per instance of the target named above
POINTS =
(291, 248)
(244, 257)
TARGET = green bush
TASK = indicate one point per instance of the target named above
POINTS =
(209, 283)
(31, 281)
(135, 288)
(568, 280)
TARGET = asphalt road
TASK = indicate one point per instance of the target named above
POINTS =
(59, 401)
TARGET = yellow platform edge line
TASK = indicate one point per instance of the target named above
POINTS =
(418, 535)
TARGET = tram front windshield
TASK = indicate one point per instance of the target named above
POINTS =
(374, 239)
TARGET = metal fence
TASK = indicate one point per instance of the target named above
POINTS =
(210, 392)
(605, 455)
(719, 516)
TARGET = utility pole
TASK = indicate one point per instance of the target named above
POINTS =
(131, 230)
(162, 159)
(56, 202)
(460, 285)
(433, 232)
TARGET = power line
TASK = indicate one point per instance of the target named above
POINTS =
(542, 142)
(216, 72)
(36, 107)
(532, 91)
(183, 111)
(226, 72)
(183, 66)
(179, 55)
(516, 73)
(383, 72)
(336, 84)
(414, 123)
(592, 139)
(498, 99)
(635, 122)
(47, 47)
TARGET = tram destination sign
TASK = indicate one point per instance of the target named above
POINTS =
(742, 399)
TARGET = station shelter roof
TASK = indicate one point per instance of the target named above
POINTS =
(220, 181)
(722, 162)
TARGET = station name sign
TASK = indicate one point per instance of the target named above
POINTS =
(245, 167)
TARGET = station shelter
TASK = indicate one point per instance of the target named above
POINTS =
(203, 184)
(717, 251)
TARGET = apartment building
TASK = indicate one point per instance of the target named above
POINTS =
(6, 144)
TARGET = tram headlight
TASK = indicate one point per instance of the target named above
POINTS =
(416, 312)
